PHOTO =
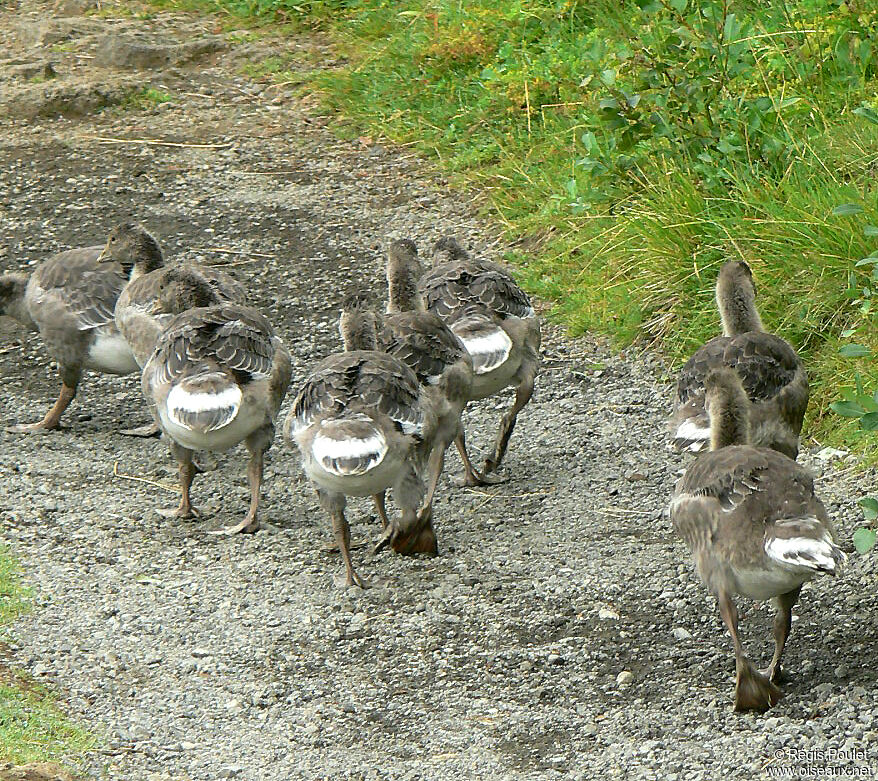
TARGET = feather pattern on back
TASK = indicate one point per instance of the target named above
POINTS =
(85, 287)
(422, 342)
(450, 288)
(364, 380)
(236, 337)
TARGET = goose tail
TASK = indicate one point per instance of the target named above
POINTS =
(349, 446)
(486, 342)
(205, 399)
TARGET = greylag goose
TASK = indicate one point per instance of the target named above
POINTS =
(217, 377)
(773, 375)
(493, 317)
(361, 425)
(754, 526)
(138, 313)
(423, 342)
(70, 298)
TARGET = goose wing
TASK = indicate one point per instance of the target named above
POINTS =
(388, 384)
(422, 342)
(452, 287)
(765, 363)
(236, 337)
(772, 485)
(365, 379)
(82, 286)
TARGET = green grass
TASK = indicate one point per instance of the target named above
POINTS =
(146, 98)
(633, 146)
(32, 727)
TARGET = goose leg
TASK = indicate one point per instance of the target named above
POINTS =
(187, 470)
(753, 691)
(507, 425)
(52, 421)
(334, 504)
(381, 507)
(472, 476)
(782, 623)
(250, 524)
(434, 470)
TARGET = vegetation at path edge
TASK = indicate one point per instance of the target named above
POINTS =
(32, 728)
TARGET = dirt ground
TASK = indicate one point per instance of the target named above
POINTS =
(561, 633)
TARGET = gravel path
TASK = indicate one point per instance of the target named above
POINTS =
(562, 633)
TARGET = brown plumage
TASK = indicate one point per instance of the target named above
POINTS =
(773, 375)
(70, 299)
(754, 526)
(217, 377)
(361, 423)
(484, 307)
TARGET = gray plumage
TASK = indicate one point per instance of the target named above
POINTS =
(773, 375)
(754, 525)
(359, 422)
(217, 377)
(70, 299)
(494, 319)
(140, 315)
(444, 368)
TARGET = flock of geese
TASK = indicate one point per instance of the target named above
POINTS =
(381, 413)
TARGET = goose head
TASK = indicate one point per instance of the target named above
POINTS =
(736, 299)
(403, 272)
(728, 408)
(447, 250)
(358, 324)
(133, 248)
(182, 289)
(12, 288)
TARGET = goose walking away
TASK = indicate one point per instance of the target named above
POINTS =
(754, 526)
(216, 378)
(424, 343)
(773, 375)
(70, 299)
(493, 317)
(361, 424)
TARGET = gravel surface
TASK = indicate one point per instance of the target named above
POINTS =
(562, 632)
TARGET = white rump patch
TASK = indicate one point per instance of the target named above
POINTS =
(489, 350)
(806, 552)
(225, 404)
(110, 353)
(353, 456)
(689, 429)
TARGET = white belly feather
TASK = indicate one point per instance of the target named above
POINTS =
(109, 353)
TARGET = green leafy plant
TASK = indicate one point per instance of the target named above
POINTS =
(857, 402)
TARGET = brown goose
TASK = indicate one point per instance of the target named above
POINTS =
(773, 375)
(217, 377)
(754, 526)
(70, 298)
(493, 317)
(138, 313)
(423, 342)
(360, 423)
